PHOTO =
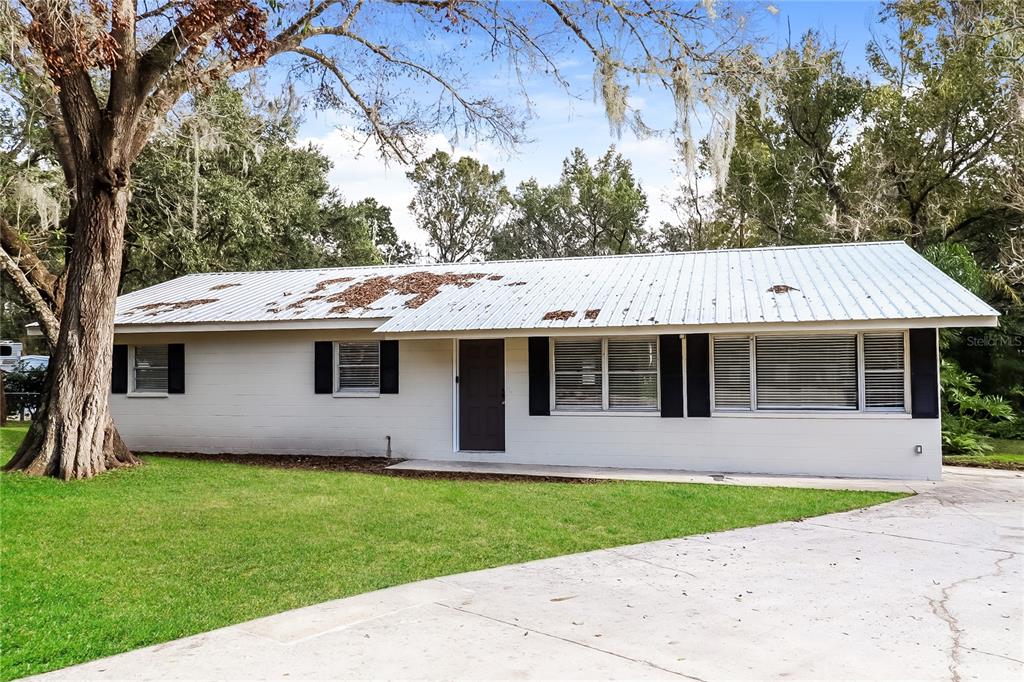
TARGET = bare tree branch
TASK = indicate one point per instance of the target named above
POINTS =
(372, 114)
(48, 323)
(32, 267)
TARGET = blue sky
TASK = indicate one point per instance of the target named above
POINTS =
(561, 122)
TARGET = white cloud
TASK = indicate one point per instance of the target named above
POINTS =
(358, 171)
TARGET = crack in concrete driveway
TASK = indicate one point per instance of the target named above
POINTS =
(577, 643)
(910, 590)
(940, 607)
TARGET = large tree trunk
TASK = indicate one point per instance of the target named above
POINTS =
(73, 435)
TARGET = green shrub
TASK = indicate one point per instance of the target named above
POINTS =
(969, 417)
(24, 388)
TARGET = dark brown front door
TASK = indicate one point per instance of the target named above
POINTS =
(482, 394)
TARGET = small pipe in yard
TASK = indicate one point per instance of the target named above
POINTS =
(389, 446)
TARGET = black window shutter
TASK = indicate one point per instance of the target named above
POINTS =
(698, 375)
(175, 368)
(389, 366)
(119, 370)
(924, 373)
(540, 376)
(323, 372)
(670, 357)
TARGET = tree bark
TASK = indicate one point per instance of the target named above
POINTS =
(72, 435)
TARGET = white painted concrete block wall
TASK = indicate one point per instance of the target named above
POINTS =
(252, 392)
(849, 445)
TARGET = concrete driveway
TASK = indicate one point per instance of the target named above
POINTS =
(924, 588)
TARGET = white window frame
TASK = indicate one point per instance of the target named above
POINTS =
(605, 409)
(339, 392)
(861, 409)
(132, 392)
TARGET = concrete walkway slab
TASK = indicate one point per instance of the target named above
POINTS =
(663, 475)
(930, 587)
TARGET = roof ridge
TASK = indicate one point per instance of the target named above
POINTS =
(380, 266)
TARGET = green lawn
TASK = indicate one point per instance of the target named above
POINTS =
(1006, 454)
(177, 547)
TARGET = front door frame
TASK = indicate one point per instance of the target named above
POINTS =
(456, 426)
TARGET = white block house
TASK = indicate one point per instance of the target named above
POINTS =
(816, 360)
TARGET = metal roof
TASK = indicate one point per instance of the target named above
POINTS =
(835, 282)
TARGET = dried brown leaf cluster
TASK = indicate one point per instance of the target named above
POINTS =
(152, 309)
(67, 41)
(324, 283)
(242, 37)
(425, 286)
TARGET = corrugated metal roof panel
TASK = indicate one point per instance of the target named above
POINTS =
(863, 281)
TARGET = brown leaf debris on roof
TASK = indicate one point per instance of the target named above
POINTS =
(165, 307)
(495, 278)
(303, 301)
(226, 285)
(323, 284)
(781, 289)
(592, 313)
(515, 284)
(425, 286)
(559, 315)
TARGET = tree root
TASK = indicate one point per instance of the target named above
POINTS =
(34, 458)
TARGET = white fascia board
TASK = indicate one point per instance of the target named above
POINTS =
(282, 325)
(743, 328)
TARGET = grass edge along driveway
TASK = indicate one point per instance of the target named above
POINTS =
(177, 547)
(1006, 454)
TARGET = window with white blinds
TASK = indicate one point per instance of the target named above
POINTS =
(810, 372)
(633, 374)
(578, 374)
(884, 372)
(150, 369)
(358, 366)
(619, 374)
(732, 372)
(806, 372)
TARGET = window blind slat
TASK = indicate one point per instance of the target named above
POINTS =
(151, 369)
(732, 372)
(358, 366)
(884, 371)
(578, 374)
(633, 391)
(633, 373)
(817, 372)
(633, 355)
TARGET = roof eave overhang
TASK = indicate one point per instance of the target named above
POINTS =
(375, 323)
(736, 328)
